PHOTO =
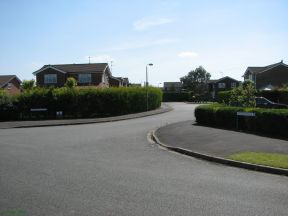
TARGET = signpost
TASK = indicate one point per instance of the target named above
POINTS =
(248, 114)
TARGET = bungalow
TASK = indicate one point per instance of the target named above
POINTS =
(223, 84)
(96, 74)
(11, 83)
(268, 77)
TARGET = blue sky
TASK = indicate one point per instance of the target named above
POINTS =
(223, 36)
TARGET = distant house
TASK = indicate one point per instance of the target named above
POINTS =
(96, 74)
(124, 81)
(172, 86)
(222, 84)
(11, 83)
(268, 77)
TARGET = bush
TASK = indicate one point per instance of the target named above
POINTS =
(28, 84)
(266, 121)
(7, 111)
(71, 82)
(243, 95)
(84, 102)
(224, 97)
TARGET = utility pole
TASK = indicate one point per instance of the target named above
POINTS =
(89, 59)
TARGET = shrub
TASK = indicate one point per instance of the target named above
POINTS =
(243, 95)
(85, 102)
(71, 82)
(224, 97)
(28, 84)
(266, 121)
(7, 111)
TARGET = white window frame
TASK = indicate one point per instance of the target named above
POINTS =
(9, 85)
(221, 85)
(233, 85)
(84, 78)
(50, 78)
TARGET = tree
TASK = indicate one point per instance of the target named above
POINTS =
(28, 84)
(196, 81)
(244, 95)
(71, 82)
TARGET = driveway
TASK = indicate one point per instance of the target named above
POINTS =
(111, 169)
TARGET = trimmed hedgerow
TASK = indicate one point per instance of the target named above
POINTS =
(266, 121)
(7, 110)
(84, 102)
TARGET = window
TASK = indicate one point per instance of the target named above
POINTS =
(84, 78)
(233, 85)
(50, 78)
(221, 85)
(251, 77)
(9, 85)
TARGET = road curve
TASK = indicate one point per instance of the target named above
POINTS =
(111, 169)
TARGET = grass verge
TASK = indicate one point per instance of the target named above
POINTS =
(267, 159)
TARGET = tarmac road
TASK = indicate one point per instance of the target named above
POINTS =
(111, 169)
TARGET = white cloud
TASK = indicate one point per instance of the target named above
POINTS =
(142, 44)
(146, 23)
(100, 58)
(187, 54)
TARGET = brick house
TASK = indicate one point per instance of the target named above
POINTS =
(11, 83)
(172, 86)
(94, 74)
(222, 84)
(268, 77)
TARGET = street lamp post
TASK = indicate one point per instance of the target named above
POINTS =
(147, 85)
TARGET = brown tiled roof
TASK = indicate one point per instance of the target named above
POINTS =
(6, 78)
(73, 68)
(78, 68)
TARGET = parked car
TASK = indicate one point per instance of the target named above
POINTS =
(265, 103)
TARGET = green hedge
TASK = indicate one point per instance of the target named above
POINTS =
(7, 110)
(224, 97)
(176, 97)
(81, 102)
(267, 121)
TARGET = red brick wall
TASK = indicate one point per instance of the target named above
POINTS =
(13, 89)
(61, 78)
(96, 78)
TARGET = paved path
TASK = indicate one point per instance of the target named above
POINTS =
(218, 142)
(111, 169)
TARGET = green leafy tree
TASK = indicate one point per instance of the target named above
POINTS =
(244, 95)
(28, 84)
(196, 81)
(71, 82)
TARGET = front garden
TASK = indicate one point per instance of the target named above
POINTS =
(264, 121)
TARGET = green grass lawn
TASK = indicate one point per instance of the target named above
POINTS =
(268, 159)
